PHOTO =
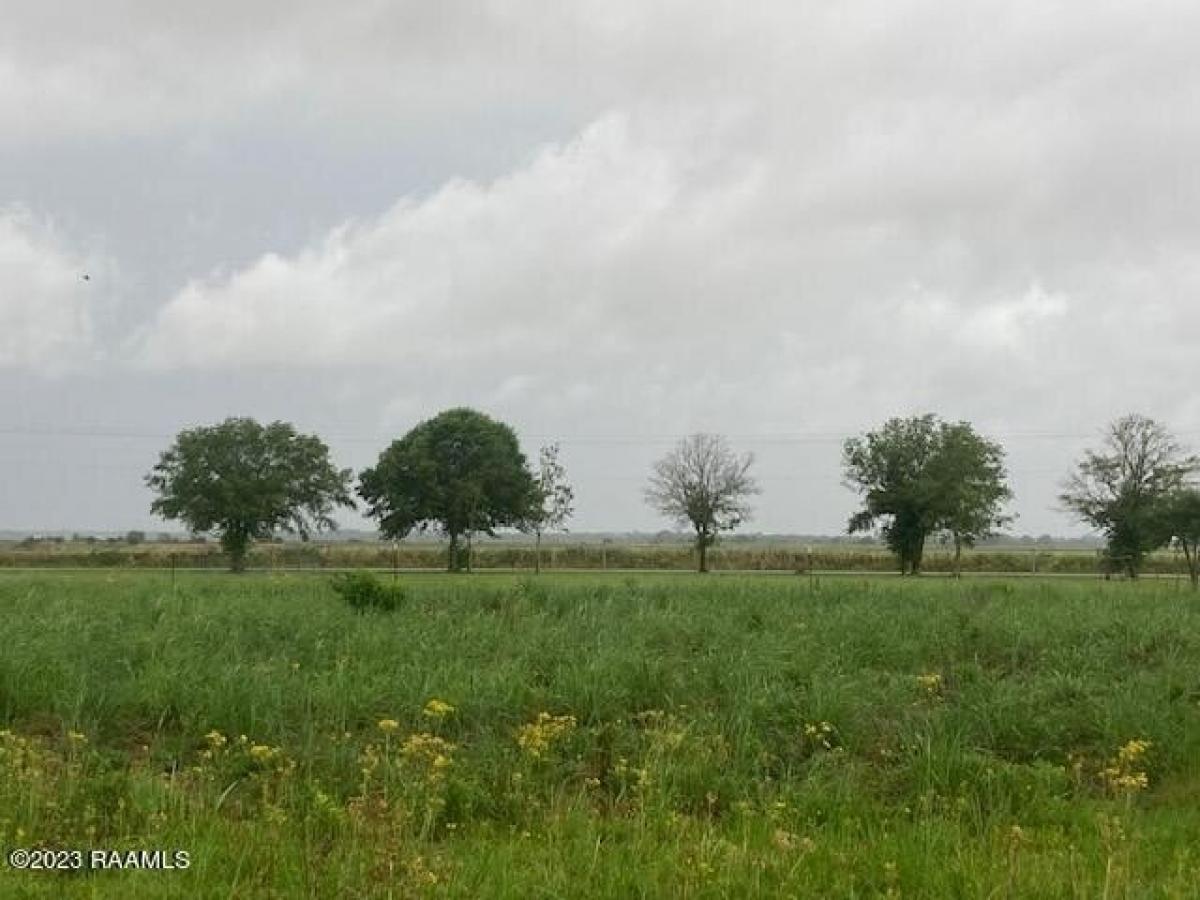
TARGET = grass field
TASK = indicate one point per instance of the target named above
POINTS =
(604, 736)
(733, 555)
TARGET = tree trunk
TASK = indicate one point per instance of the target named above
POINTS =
(235, 540)
(702, 546)
(1193, 570)
(918, 553)
(957, 557)
(452, 561)
(537, 552)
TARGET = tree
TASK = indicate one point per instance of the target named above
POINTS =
(553, 499)
(247, 481)
(702, 483)
(1178, 520)
(460, 472)
(970, 470)
(1118, 489)
(922, 476)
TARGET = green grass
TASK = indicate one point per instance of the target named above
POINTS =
(732, 555)
(710, 737)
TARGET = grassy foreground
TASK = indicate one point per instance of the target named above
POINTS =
(610, 737)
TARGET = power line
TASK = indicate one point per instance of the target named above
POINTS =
(793, 437)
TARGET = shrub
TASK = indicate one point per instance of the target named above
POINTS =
(364, 592)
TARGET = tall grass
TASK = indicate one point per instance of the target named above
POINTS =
(604, 736)
(514, 556)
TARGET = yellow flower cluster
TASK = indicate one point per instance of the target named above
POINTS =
(429, 750)
(265, 758)
(931, 683)
(388, 726)
(1123, 773)
(539, 735)
(265, 755)
(437, 709)
(820, 733)
(20, 758)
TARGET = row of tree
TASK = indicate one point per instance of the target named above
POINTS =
(462, 473)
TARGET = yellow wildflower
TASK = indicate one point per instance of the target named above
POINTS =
(930, 682)
(388, 726)
(1122, 775)
(437, 709)
(820, 733)
(539, 735)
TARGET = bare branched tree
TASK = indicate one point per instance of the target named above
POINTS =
(702, 483)
(552, 502)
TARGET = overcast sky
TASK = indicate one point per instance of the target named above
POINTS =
(607, 222)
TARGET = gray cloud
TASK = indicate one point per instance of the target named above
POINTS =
(46, 305)
(617, 223)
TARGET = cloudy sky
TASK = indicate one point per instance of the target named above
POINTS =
(607, 222)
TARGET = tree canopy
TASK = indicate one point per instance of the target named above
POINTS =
(921, 476)
(704, 484)
(246, 481)
(461, 472)
(1177, 519)
(1117, 490)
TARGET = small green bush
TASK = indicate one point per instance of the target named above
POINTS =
(364, 592)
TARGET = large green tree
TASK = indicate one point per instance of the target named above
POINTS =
(704, 484)
(461, 473)
(973, 487)
(247, 481)
(1118, 489)
(919, 476)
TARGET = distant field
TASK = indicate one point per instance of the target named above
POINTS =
(512, 555)
(611, 736)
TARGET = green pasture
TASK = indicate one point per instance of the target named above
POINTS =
(603, 736)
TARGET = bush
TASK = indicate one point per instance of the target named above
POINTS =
(364, 592)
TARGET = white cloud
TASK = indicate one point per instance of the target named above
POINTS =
(562, 248)
(45, 303)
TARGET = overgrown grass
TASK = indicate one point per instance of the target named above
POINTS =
(616, 737)
(730, 556)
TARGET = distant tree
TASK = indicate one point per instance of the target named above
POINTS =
(460, 473)
(1178, 521)
(135, 537)
(245, 481)
(921, 476)
(1117, 490)
(552, 501)
(973, 487)
(703, 484)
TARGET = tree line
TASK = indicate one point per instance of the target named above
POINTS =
(462, 473)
